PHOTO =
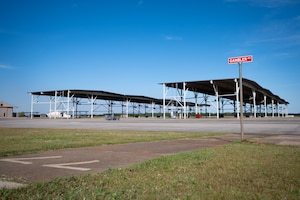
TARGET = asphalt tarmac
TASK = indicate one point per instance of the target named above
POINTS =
(231, 125)
(45, 166)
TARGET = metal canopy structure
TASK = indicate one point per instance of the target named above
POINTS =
(97, 94)
(254, 95)
(207, 94)
(66, 101)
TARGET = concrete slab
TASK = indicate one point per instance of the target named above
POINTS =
(288, 140)
(227, 125)
(10, 185)
(48, 165)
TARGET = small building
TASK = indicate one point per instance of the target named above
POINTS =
(6, 110)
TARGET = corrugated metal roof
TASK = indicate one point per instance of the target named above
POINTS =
(228, 86)
(225, 86)
(103, 95)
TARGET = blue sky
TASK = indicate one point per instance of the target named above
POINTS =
(129, 46)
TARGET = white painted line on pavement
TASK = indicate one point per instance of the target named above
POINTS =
(66, 165)
(21, 160)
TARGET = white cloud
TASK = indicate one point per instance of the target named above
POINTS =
(168, 37)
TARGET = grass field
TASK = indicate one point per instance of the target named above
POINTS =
(17, 141)
(241, 170)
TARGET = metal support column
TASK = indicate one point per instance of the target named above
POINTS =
(272, 107)
(127, 108)
(254, 103)
(92, 100)
(237, 89)
(55, 102)
(92, 107)
(50, 104)
(152, 109)
(68, 103)
(265, 105)
(31, 108)
(217, 98)
(164, 101)
(184, 101)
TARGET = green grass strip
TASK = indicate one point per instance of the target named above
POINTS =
(17, 141)
(236, 171)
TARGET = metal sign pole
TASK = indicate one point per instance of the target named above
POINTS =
(241, 101)
(240, 60)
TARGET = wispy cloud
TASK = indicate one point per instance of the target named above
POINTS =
(5, 67)
(273, 3)
(266, 3)
(279, 39)
(169, 37)
(289, 40)
(140, 2)
(297, 18)
(279, 32)
(283, 54)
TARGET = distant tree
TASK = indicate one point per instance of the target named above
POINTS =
(21, 114)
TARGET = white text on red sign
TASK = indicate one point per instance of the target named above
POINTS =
(239, 59)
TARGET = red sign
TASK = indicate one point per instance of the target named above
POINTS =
(239, 59)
